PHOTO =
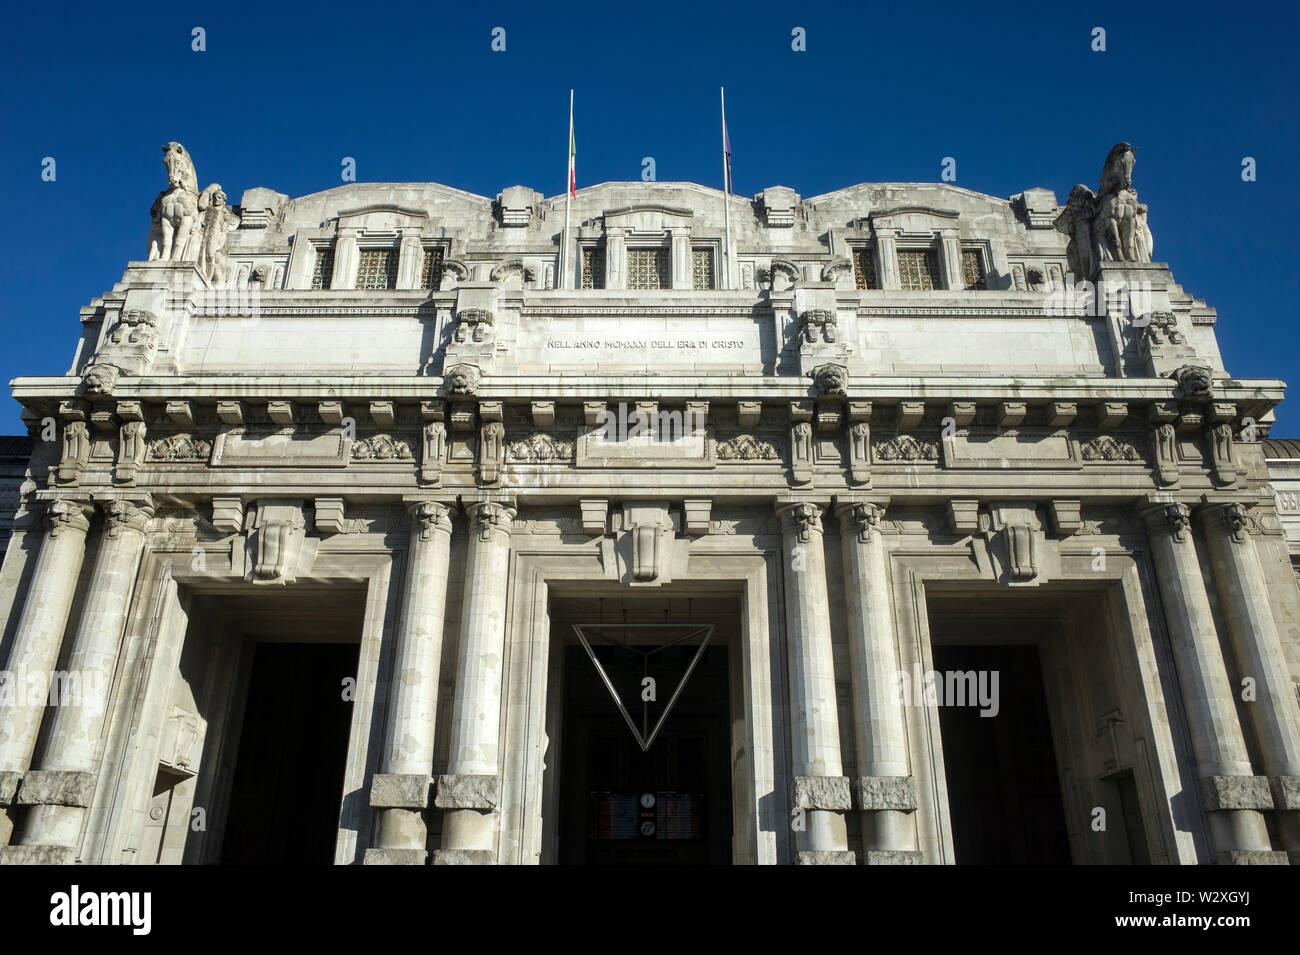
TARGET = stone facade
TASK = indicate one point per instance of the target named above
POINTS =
(418, 421)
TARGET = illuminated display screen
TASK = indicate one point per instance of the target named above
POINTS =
(649, 815)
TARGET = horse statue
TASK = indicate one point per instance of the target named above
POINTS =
(176, 209)
(1109, 225)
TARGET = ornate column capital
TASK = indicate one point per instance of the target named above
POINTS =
(803, 518)
(68, 515)
(1171, 517)
(488, 517)
(122, 515)
(1230, 519)
(860, 517)
(429, 517)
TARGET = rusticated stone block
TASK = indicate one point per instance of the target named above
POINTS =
(1236, 792)
(893, 857)
(1251, 857)
(38, 855)
(399, 791)
(464, 857)
(9, 787)
(395, 857)
(826, 857)
(822, 792)
(47, 787)
(467, 792)
(1286, 791)
(886, 792)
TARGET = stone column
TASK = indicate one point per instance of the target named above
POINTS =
(1231, 793)
(819, 787)
(401, 791)
(886, 790)
(63, 786)
(470, 791)
(1257, 644)
(36, 644)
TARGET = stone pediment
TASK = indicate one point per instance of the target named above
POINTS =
(649, 217)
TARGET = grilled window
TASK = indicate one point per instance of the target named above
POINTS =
(431, 268)
(647, 268)
(864, 268)
(918, 269)
(378, 269)
(323, 271)
(593, 267)
(972, 269)
(702, 268)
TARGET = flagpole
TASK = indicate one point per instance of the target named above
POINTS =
(565, 277)
(726, 193)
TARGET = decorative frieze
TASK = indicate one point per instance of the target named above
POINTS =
(905, 448)
(538, 449)
(179, 448)
(747, 447)
(1106, 447)
(381, 447)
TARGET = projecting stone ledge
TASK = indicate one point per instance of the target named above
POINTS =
(467, 792)
(1248, 857)
(893, 857)
(1236, 792)
(38, 855)
(886, 792)
(395, 857)
(826, 857)
(822, 792)
(399, 791)
(464, 857)
(55, 788)
(1286, 792)
(9, 787)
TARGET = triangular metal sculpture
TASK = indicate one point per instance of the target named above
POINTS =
(645, 735)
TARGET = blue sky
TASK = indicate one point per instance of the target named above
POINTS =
(415, 92)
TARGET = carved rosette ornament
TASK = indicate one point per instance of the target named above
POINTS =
(491, 517)
(129, 515)
(64, 516)
(803, 517)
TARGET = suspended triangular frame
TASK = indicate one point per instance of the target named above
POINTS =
(645, 736)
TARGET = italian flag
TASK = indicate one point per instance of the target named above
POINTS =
(573, 154)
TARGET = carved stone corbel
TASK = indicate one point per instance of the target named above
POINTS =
(278, 533)
(1164, 440)
(1223, 463)
(433, 451)
(491, 451)
(131, 449)
(801, 442)
(76, 452)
